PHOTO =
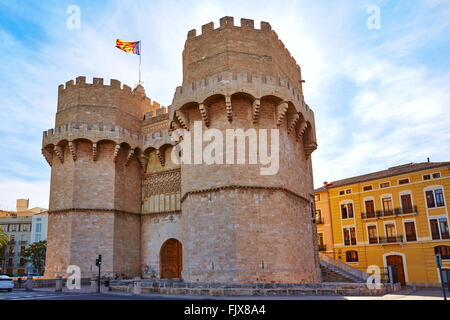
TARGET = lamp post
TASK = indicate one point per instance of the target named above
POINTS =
(439, 264)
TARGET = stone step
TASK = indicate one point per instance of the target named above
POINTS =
(331, 273)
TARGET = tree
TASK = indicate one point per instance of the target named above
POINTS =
(3, 242)
(35, 253)
(3, 238)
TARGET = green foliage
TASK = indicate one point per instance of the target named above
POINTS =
(35, 253)
(3, 238)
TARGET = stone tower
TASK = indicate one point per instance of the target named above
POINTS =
(239, 225)
(95, 192)
(117, 191)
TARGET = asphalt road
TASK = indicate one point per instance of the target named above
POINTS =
(84, 294)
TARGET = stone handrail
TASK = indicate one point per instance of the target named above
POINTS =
(345, 267)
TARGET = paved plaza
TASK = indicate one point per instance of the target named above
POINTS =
(85, 294)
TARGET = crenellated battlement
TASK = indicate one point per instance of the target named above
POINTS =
(248, 46)
(245, 24)
(80, 82)
(97, 93)
(98, 132)
(228, 22)
(227, 83)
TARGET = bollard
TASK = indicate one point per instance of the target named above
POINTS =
(29, 283)
(94, 285)
(137, 287)
(58, 284)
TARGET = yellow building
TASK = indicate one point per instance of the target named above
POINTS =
(397, 216)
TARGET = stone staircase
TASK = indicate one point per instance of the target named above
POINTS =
(336, 271)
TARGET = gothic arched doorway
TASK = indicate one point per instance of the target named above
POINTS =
(170, 258)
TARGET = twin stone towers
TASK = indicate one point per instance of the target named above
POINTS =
(117, 190)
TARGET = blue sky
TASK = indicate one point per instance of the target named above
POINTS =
(381, 97)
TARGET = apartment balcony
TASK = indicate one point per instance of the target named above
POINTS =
(322, 247)
(393, 239)
(23, 242)
(388, 213)
(12, 242)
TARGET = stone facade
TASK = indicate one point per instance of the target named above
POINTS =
(117, 191)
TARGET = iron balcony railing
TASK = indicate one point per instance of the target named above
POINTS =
(373, 240)
(393, 239)
(388, 213)
(322, 247)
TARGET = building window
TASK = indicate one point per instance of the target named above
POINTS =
(406, 203)
(403, 181)
(436, 175)
(385, 184)
(322, 246)
(38, 227)
(439, 197)
(367, 188)
(439, 229)
(370, 208)
(348, 191)
(373, 237)
(426, 177)
(319, 219)
(349, 236)
(390, 232)
(37, 238)
(347, 210)
(14, 228)
(351, 256)
(342, 192)
(410, 231)
(435, 198)
(317, 197)
(444, 251)
(387, 206)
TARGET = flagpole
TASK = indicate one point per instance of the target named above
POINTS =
(140, 54)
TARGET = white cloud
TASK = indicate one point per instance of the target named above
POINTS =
(374, 105)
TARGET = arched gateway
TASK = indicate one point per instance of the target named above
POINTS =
(170, 258)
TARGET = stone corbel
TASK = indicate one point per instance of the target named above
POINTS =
(129, 157)
(161, 157)
(94, 151)
(73, 150)
(181, 119)
(116, 152)
(229, 108)
(309, 148)
(282, 109)
(301, 130)
(293, 123)
(48, 156)
(204, 114)
(60, 153)
(256, 105)
(143, 160)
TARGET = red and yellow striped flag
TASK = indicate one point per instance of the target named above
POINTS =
(130, 47)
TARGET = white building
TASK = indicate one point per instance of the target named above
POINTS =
(39, 225)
